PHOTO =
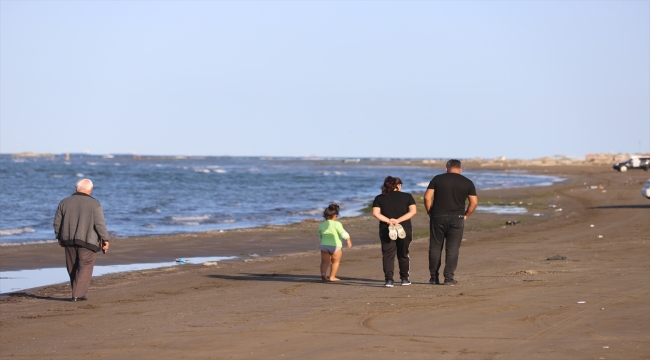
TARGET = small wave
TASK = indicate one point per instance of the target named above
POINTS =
(149, 226)
(57, 176)
(28, 242)
(228, 221)
(79, 175)
(202, 171)
(340, 173)
(310, 212)
(189, 223)
(220, 171)
(422, 184)
(190, 218)
(16, 231)
(213, 167)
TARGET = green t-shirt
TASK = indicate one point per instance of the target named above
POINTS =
(331, 232)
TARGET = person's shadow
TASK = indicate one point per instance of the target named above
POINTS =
(33, 296)
(293, 278)
(621, 207)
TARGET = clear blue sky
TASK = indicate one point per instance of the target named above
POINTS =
(520, 79)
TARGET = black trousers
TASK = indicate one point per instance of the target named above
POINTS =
(447, 231)
(389, 248)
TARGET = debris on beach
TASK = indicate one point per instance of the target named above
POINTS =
(513, 222)
(210, 263)
(558, 210)
(525, 272)
(537, 214)
(557, 257)
(600, 236)
(180, 261)
(582, 302)
(592, 225)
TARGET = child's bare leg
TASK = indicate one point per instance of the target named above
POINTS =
(324, 264)
(336, 261)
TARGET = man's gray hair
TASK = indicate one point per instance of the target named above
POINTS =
(84, 184)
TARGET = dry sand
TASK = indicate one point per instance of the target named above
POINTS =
(510, 302)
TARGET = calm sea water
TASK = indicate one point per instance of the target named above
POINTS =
(164, 196)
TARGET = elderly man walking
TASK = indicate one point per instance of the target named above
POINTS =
(444, 201)
(80, 228)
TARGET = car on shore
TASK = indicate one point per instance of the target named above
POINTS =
(633, 163)
(646, 189)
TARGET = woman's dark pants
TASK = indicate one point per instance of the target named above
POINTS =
(445, 229)
(389, 248)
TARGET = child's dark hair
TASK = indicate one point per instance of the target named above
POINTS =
(331, 210)
(390, 184)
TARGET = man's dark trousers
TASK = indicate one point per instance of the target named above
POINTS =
(80, 262)
(449, 229)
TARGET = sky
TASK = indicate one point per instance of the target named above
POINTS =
(419, 79)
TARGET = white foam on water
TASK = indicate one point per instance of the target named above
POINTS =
(422, 184)
(190, 218)
(11, 281)
(79, 175)
(499, 209)
(8, 232)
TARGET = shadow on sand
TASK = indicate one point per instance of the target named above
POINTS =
(622, 207)
(32, 296)
(292, 278)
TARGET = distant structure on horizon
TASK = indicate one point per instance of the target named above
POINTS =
(609, 158)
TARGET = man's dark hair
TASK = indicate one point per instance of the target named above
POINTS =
(330, 211)
(453, 163)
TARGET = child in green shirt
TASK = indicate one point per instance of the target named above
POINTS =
(331, 232)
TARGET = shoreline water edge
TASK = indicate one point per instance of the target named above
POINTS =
(162, 196)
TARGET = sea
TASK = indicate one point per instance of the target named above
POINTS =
(184, 194)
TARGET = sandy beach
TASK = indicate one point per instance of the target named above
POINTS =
(510, 302)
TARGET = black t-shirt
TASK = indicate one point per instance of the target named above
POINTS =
(393, 205)
(450, 192)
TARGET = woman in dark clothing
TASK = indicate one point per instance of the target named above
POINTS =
(394, 210)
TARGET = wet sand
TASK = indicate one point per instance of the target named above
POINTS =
(510, 303)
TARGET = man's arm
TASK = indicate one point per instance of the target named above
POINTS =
(473, 203)
(428, 200)
(100, 228)
(58, 217)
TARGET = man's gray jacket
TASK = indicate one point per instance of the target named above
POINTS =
(79, 221)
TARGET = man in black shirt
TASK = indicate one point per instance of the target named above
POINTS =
(444, 201)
